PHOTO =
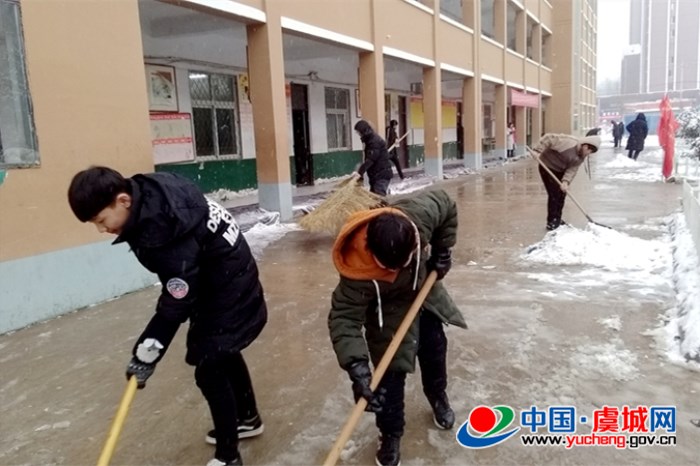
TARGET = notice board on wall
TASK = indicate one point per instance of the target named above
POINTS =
(171, 136)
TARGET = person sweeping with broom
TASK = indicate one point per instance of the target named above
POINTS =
(381, 256)
(376, 163)
(563, 155)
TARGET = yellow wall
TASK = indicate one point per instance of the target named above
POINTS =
(87, 83)
(449, 113)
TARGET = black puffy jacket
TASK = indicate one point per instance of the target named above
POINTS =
(638, 130)
(377, 163)
(206, 268)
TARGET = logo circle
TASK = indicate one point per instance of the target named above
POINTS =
(482, 419)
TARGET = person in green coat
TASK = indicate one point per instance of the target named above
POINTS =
(383, 257)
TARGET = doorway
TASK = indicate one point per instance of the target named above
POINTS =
(303, 162)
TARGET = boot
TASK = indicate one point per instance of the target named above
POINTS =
(443, 416)
(389, 453)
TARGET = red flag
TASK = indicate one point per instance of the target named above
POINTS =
(667, 135)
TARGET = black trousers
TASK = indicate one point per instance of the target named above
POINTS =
(556, 197)
(225, 383)
(379, 185)
(394, 157)
(633, 154)
(432, 357)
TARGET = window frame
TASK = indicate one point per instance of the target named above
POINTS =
(18, 80)
(338, 111)
(212, 105)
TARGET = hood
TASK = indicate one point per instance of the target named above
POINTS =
(593, 141)
(365, 129)
(641, 116)
(351, 256)
(164, 207)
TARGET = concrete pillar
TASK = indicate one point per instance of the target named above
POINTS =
(472, 122)
(267, 96)
(432, 112)
(372, 89)
(520, 129)
(501, 122)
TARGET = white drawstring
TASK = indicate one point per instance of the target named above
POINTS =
(380, 315)
(415, 276)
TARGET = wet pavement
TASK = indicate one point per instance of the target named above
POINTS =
(535, 333)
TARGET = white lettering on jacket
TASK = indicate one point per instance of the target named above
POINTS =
(217, 214)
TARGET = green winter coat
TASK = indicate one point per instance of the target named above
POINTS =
(364, 288)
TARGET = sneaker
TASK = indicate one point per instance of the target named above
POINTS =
(388, 453)
(246, 429)
(217, 462)
(443, 416)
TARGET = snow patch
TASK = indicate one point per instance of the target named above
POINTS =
(613, 323)
(607, 359)
(681, 334)
(600, 247)
(262, 235)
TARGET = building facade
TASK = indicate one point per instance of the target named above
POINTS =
(662, 58)
(254, 94)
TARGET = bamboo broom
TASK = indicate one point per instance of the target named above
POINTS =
(347, 198)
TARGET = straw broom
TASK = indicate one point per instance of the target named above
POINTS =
(347, 198)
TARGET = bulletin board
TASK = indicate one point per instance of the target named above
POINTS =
(171, 136)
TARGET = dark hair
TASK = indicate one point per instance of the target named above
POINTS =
(393, 123)
(391, 238)
(94, 189)
(592, 148)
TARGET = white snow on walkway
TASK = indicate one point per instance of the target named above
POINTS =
(261, 235)
(600, 247)
(680, 337)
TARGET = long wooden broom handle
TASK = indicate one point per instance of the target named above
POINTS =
(379, 371)
(396, 143)
(554, 177)
(118, 422)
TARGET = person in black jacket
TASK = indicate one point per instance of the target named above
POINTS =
(208, 276)
(376, 163)
(638, 130)
(391, 137)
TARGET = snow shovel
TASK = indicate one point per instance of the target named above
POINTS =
(379, 371)
(118, 422)
(554, 177)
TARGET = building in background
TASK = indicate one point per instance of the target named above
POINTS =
(253, 94)
(662, 57)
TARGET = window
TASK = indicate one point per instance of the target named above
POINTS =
(511, 27)
(488, 20)
(338, 118)
(214, 114)
(546, 48)
(18, 147)
(530, 35)
(452, 9)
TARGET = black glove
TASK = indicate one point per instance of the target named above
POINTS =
(141, 370)
(361, 377)
(440, 261)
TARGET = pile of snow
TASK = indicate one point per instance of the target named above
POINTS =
(682, 331)
(409, 185)
(261, 235)
(222, 195)
(600, 247)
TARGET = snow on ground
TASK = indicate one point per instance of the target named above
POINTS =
(680, 337)
(222, 195)
(600, 247)
(261, 235)
(647, 168)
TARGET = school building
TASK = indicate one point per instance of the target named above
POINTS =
(255, 94)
